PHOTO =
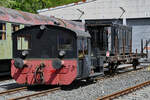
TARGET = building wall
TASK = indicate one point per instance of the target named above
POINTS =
(101, 9)
(140, 30)
(137, 14)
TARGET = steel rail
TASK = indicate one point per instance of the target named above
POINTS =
(123, 92)
(13, 90)
(35, 94)
(121, 73)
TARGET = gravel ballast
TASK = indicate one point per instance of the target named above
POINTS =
(101, 88)
(87, 91)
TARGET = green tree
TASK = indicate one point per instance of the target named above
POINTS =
(8, 3)
(33, 5)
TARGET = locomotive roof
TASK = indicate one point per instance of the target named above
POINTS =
(79, 33)
(16, 16)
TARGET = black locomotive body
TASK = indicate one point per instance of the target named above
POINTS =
(50, 54)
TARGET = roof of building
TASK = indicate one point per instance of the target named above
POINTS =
(10, 15)
(100, 9)
(64, 6)
(15, 16)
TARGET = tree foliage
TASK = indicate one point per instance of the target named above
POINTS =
(33, 5)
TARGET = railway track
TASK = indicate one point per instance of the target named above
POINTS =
(13, 90)
(36, 94)
(123, 92)
(16, 90)
(120, 73)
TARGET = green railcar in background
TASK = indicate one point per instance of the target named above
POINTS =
(6, 30)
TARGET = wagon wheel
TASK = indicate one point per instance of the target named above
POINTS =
(89, 80)
(112, 68)
(135, 63)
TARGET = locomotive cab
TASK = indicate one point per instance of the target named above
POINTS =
(49, 54)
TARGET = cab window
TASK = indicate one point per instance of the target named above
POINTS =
(23, 42)
(65, 42)
(82, 47)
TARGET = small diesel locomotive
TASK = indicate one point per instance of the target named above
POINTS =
(50, 54)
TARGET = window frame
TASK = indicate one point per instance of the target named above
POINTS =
(83, 47)
(14, 26)
(58, 42)
(3, 32)
(28, 36)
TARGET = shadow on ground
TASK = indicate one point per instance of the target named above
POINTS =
(77, 84)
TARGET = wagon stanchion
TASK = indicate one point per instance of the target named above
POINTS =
(116, 46)
(146, 49)
(136, 53)
(123, 48)
(141, 47)
(130, 48)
